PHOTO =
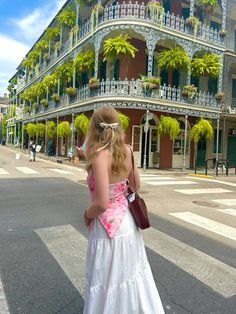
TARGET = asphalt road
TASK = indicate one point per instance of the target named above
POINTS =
(191, 246)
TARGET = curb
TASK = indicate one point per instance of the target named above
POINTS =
(201, 176)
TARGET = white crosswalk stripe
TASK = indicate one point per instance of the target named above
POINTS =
(202, 191)
(26, 170)
(3, 303)
(60, 171)
(68, 247)
(208, 224)
(228, 202)
(229, 211)
(2, 171)
(172, 182)
(156, 178)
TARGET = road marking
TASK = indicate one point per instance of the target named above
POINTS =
(213, 273)
(26, 170)
(150, 175)
(61, 171)
(171, 183)
(156, 178)
(68, 247)
(229, 211)
(208, 224)
(212, 180)
(3, 303)
(2, 171)
(228, 202)
(202, 191)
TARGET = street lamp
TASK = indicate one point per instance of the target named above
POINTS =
(148, 117)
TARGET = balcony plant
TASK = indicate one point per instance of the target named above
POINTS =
(30, 129)
(189, 91)
(219, 96)
(150, 83)
(50, 129)
(207, 65)
(223, 32)
(55, 97)
(67, 17)
(44, 102)
(81, 123)
(124, 120)
(98, 8)
(193, 21)
(118, 46)
(203, 128)
(207, 5)
(63, 129)
(174, 58)
(155, 11)
(39, 130)
(64, 74)
(35, 106)
(27, 109)
(169, 125)
(71, 91)
(93, 83)
(84, 61)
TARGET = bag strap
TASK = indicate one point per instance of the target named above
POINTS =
(132, 159)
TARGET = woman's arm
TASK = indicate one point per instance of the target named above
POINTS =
(101, 185)
(134, 179)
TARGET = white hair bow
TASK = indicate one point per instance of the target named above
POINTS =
(113, 126)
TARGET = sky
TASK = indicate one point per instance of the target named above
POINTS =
(21, 24)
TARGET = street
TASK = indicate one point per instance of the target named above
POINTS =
(191, 244)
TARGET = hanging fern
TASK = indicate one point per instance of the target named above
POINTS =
(82, 123)
(67, 17)
(124, 120)
(170, 126)
(84, 61)
(40, 129)
(208, 64)
(50, 129)
(63, 129)
(119, 45)
(203, 128)
(174, 58)
(31, 129)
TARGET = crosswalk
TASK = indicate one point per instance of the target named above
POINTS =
(30, 171)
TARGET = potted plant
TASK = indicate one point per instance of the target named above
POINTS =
(150, 83)
(219, 96)
(71, 91)
(207, 5)
(35, 106)
(44, 102)
(203, 128)
(26, 109)
(174, 58)
(55, 98)
(193, 22)
(169, 125)
(84, 61)
(93, 83)
(189, 91)
(207, 65)
(223, 32)
(155, 11)
(46, 57)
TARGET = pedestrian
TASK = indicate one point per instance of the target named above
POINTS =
(32, 150)
(118, 275)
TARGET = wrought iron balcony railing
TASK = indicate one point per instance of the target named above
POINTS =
(128, 90)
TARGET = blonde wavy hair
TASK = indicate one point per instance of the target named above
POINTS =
(98, 137)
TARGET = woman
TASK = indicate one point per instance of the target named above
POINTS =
(118, 275)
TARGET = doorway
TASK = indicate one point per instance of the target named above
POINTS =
(201, 152)
(231, 150)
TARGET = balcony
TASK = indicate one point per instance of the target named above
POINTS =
(131, 91)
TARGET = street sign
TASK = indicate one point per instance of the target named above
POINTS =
(146, 126)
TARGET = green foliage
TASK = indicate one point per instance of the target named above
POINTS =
(67, 17)
(203, 128)
(174, 58)
(208, 64)
(98, 8)
(49, 81)
(31, 130)
(156, 11)
(56, 97)
(117, 46)
(93, 83)
(11, 111)
(28, 94)
(194, 22)
(41, 45)
(63, 129)
(38, 89)
(170, 126)
(40, 129)
(207, 2)
(4, 126)
(82, 123)
(84, 61)
(52, 32)
(26, 109)
(50, 129)
(71, 91)
(150, 82)
(189, 91)
(124, 120)
(64, 72)
(35, 105)
(44, 102)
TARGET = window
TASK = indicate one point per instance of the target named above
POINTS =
(136, 138)
(215, 141)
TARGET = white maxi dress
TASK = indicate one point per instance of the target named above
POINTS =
(118, 276)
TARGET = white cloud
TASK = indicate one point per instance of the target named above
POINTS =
(10, 56)
(31, 26)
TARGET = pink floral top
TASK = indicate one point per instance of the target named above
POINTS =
(112, 218)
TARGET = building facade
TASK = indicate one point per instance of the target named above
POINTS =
(57, 61)
(4, 100)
